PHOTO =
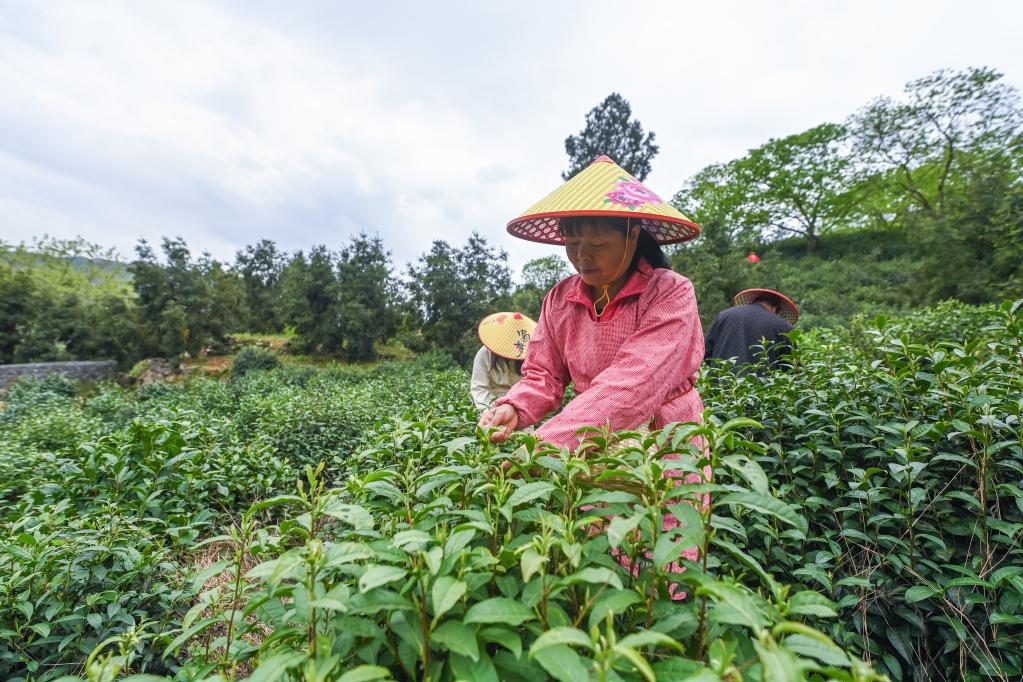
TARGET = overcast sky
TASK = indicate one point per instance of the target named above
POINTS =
(308, 122)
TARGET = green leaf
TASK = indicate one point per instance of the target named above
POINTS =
(365, 673)
(595, 575)
(529, 492)
(919, 593)
(277, 568)
(457, 638)
(341, 553)
(563, 664)
(967, 582)
(683, 670)
(644, 638)
(95, 620)
(499, 610)
(272, 502)
(274, 668)
(561, 636)
(479, 670)
(1005, 573)
(620, 527)
(446, 593)
(458, 540)
(42, 629)
(188, 634)
(352, 514)
(690, 530)
(598, 496)
(825, 652)
(531, 562)
(199, 579)
(998, 618)
(612, 601)
(411, 540)
(807, 603)
(765, 504)
(637, 660)
(504, 636)
(779, 665)
(750, 471)
(747, 611)
(337, 599)
(377, 575)
(668, 550)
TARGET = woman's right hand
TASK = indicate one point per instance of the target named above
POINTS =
(504, 418)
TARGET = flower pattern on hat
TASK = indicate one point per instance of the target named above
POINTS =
(631, 194)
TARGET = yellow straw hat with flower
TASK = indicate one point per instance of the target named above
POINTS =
(603, 189)
(507, 334)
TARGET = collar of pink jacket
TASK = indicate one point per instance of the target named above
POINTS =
(634, 286)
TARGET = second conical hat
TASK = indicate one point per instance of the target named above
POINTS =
(787, 309)
(603, 189)
(507, 334)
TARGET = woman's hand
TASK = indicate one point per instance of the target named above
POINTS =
(504, 418)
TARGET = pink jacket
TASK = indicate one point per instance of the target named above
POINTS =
(635, 364)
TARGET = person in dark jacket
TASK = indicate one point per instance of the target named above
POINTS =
(759, 320)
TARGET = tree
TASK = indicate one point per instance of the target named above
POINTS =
(611, 131)
(260, 267)
(539, 276)
(716, 266)
(947, 159)
(20, 303)
(974, 251)
(796, 185)
(366, 290)
(544, 273)
(951, 124)
(310, 292)
(451, 290)
(184, 305)
(714, 195)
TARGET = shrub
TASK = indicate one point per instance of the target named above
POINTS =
(253, 358)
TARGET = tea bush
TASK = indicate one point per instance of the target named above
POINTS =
(253, 358)
(907, 458)
(866, 505)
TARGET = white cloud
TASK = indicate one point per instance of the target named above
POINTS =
(308, 122)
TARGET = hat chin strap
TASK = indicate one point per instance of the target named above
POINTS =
(605, 297)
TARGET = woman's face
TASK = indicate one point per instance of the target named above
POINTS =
(599, 253)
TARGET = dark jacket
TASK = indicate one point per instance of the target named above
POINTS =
(742, 331)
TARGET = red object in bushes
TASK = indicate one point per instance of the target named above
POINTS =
(753, 257)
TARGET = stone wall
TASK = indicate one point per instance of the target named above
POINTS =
(100, 369)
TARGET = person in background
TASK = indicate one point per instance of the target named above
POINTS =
(759, 320)
(498, 363)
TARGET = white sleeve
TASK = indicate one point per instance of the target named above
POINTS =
(480, 387)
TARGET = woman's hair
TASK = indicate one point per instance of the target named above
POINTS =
(770, 299)
(646, 246)
(495, 359)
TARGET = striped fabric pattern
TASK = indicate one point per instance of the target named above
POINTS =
(635, 364)
(603, 188)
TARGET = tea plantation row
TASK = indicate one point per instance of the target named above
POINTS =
(864, 506)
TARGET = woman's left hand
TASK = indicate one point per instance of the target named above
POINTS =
(504, 418)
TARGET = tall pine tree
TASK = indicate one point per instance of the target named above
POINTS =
(610, 130)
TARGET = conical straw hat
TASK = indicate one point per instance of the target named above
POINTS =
(603, 189)
(507, 334)
(787, 310)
